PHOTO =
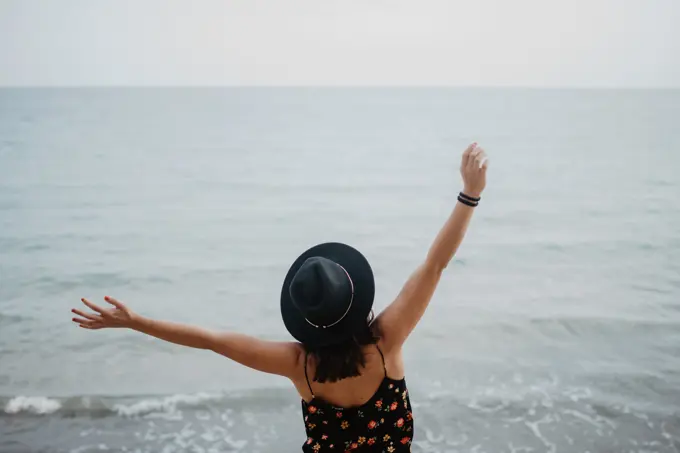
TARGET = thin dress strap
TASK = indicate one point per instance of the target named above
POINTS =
(307, 377)
(383, 359)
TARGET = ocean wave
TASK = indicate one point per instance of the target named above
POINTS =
(504, 402)
(104, 406)
(167, 404)
(39, 405)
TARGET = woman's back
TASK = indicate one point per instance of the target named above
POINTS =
(352, 391)
(368, 412)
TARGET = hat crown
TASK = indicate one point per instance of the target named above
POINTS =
(321, 290)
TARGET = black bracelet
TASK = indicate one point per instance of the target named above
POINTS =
(468, 197)
(472, 204)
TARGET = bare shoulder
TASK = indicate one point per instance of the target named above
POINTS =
(297, 372)
(299, 357)
(386, 328)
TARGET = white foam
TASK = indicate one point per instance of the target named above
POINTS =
(534, 427)
(32, 404)
(167, 405)
(578, 393)
(581, 416)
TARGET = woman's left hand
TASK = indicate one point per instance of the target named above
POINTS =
(119, 316)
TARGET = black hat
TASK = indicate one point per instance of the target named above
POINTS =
(327, 294)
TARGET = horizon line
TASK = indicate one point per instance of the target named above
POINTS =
(339, 86)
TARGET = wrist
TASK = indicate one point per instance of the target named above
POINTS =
(136, 322)
(472, 193)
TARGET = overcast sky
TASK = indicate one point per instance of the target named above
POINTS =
(616, 43)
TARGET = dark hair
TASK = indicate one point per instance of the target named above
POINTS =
(343, 360)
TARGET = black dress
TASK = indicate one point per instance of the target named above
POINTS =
(382, 424)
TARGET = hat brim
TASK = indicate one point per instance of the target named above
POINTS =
(361, 273)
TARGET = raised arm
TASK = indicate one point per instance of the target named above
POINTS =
(398, 320)
(282, 358)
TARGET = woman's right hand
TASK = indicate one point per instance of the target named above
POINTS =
(473, 167)
(119, 316)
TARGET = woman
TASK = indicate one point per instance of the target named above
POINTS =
(346, 366)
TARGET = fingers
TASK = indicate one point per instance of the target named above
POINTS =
(89, 321)
(473, 160)
(480, 160)
(114, 302)
(81, 320)
(466, 154)
(87, 324)
(89, 316)
(92, 306)
(484, 164)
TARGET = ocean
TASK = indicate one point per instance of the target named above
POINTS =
(555, 329)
